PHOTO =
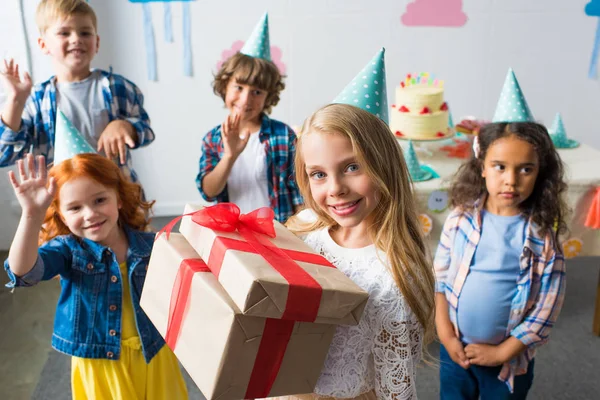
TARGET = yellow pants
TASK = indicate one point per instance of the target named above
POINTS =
(128, 378)
(365, 396)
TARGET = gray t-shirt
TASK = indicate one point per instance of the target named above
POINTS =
(83, 104)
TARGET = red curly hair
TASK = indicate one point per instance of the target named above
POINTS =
(134, 211)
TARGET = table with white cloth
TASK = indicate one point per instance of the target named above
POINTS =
(582, 168)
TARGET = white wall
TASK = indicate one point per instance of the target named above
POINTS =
(324, 43)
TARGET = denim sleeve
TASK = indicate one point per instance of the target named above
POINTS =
(54, 258)
(31, 278)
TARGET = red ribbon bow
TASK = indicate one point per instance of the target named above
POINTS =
(227, 217)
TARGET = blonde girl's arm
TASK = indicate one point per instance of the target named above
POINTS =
(34, 194)
(538, 322)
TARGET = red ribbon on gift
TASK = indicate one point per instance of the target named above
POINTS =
(593, 216)
(304, 295)
(276, 335)
(180, 296)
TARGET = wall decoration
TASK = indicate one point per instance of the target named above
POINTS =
(426, 224)
(236, 46)
(149, 36)
(438, 201)
(572, 247)
(592, 220)
(442, 13)
(593, 10)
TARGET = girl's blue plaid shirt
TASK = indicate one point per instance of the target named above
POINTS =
(540, 286)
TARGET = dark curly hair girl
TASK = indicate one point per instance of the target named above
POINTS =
(546, 205)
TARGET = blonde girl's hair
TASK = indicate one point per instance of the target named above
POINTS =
(49, 11)
(396, 229)
(134, 210)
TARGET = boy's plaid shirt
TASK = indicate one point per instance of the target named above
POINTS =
(122, 99)
(279, 141)
(540, 286)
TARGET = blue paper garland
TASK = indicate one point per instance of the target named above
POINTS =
(150, 43)
(168, 23)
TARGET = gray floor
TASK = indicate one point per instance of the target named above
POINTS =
(568, 367)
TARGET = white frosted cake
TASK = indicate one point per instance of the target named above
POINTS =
(420, 112)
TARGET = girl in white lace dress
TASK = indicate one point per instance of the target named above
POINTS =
(353, 177)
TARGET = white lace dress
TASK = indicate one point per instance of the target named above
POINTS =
(381, 352)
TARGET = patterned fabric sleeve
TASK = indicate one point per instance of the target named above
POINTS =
(131, 108)
(441, 261)
(550, 288)
(397, 347)
(208, 160)
(15, 144)
(297, 199)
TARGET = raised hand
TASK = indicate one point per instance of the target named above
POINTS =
(115, 138)
(234, 141)
(33, 189)
(17, 88)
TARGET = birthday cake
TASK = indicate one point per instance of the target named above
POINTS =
(420, 112)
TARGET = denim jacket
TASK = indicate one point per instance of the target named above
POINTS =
(88, 314)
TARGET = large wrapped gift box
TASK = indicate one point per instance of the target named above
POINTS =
(262, 285)
(229, 355)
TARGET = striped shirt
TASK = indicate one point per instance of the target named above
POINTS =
(540, 285)
(122, 99)
(279, 141)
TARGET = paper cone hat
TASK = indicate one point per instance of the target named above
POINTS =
(417, 171)
(368, 89)
(259, 45)
(67, 140)
(512, 106)
(559, 135)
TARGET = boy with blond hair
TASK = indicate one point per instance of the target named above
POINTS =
(106, 108)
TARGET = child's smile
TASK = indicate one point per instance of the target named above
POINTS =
(344, 209)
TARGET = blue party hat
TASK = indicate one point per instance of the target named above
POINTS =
(259, 45)
(368, 89)
(559, 135)
(512, 106)
(418, 172)
(67, 140)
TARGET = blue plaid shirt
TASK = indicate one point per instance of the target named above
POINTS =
(280, 144)
(122, 99)
(540, 285)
